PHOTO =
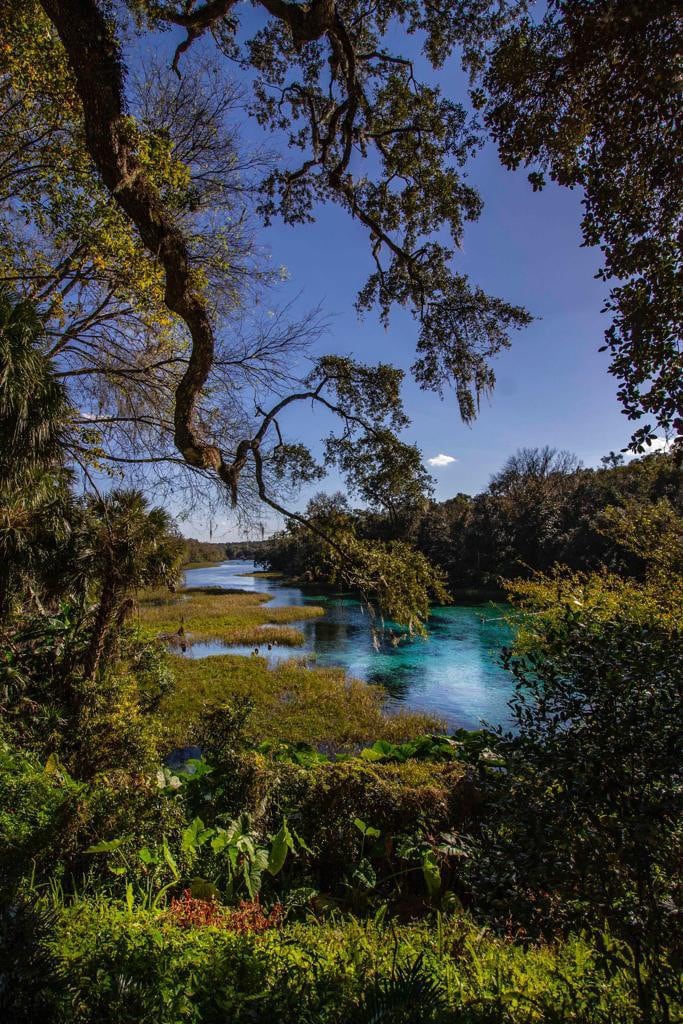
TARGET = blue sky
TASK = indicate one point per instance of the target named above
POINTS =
(553, 385)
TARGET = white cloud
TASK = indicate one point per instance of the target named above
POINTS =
(442, 460)
(660, 444)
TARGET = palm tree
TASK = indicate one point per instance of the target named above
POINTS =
(130, 546)
(35, 412)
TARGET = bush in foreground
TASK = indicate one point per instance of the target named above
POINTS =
(114, 965)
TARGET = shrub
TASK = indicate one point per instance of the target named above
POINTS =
(584, 826)
(37, 803)
(116, 966)
(323, 801)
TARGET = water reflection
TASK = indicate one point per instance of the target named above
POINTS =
(455, 673)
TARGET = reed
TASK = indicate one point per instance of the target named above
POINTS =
(292, 702)
(211, 613)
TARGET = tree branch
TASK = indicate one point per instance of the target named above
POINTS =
(94, 58)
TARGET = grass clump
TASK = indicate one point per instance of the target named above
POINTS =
(233, 616)
(291, 702)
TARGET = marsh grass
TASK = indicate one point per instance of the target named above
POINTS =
(291, 702)
(263, 575)
(215, 613)
(202, 565)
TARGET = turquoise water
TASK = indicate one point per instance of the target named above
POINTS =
(455, 673)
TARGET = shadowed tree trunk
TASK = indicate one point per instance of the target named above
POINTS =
(104, 621)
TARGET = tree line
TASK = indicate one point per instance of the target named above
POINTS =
(540, 510)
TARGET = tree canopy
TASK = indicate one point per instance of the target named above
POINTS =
(151, 169)
(590, 95)
(129, 207)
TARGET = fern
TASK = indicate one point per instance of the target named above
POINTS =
(409, 996)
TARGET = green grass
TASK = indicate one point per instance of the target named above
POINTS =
(203, 565)
(214, 613)
(263, 575)
(291, 702)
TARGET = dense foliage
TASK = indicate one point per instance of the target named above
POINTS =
(589, 93)
(203, 551)
(540, 509)
(116, 964)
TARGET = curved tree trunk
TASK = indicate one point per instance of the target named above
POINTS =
(95, 61)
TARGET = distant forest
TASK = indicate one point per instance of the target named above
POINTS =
(540, 510)
(198, 551)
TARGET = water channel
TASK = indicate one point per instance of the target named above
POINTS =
(455, 673)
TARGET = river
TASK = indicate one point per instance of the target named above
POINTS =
(455, 673)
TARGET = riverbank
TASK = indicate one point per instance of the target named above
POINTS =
(458, 595)
(202, 565)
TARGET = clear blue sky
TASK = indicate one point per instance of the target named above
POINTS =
(553, 386)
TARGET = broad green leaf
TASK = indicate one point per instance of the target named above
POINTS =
(220, 840)
(253, 872)
(379, 750)
(281, 845)
(196, 835)
(431, 873)
(106, 846)
(366, 830)
(364, 875)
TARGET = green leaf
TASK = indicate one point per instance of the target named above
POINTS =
(380, 915)
(168, 857)
(366, 830)
(281, 845)
(220, 840)
(253, 872)
(195, 835)
(106, 846)
(364, 875)
(379, 751)
(303, 845)
(53, 765)
(431, 873)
